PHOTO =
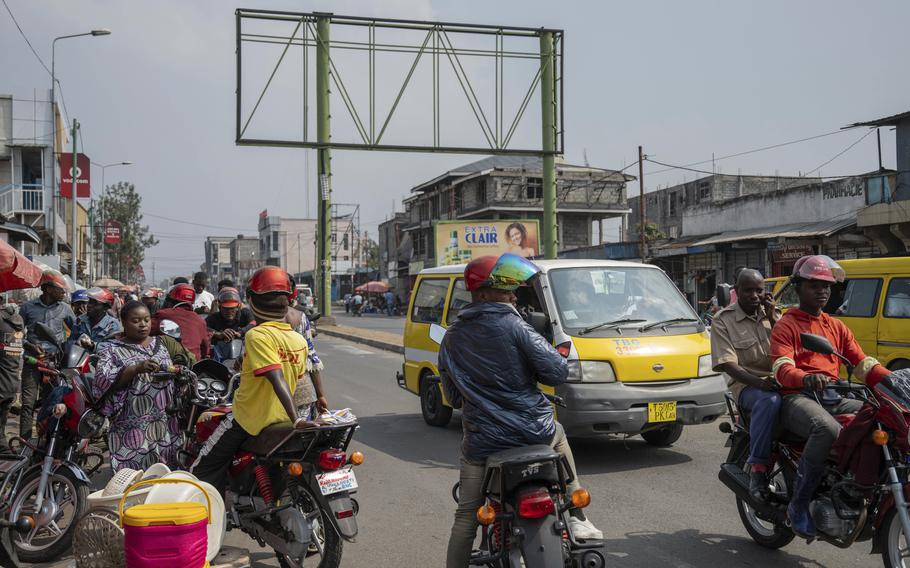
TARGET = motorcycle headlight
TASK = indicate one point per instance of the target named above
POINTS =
(591, 372)
(705, 368)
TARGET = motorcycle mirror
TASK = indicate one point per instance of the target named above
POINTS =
(315, 316)
(171, 329)
(437, 332)
(816, 343)
(44, 332)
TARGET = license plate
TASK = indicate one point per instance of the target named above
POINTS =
(662, 411)
(336, 481)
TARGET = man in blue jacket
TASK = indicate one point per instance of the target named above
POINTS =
(490, 362)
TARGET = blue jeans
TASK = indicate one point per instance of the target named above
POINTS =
(764, 407)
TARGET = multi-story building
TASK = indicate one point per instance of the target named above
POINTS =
(245, 258)
(507, 187)
(394, 253)
(27, 165)
(218, 258)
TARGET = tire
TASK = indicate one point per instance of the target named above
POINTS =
(764, 534)
(434, 410)
(891, 532)
(74, 508)
(899, 364)
(332, 543)
(664, 436)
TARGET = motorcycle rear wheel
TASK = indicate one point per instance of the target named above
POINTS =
(762, 532)
(895, 554)
(332, 544)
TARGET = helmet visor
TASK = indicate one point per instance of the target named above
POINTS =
(511, 271)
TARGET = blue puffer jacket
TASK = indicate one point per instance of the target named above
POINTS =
(490, 363)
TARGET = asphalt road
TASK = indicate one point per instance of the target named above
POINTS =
(394, 324)
(657, 507)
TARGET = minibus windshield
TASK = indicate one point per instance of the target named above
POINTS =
(589, 296)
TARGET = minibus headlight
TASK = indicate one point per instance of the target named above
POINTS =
(705, 369)
(591, 372)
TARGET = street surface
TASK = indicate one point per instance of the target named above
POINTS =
(657, 507)
(378, 322)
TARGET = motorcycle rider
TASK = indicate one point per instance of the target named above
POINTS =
(178, 308)
(49, 308)
(490, 362)
(97, 324)
(275, 358)
(808, 407)
(231, 320)
(740, 342)
(150, 299)
(79, 302)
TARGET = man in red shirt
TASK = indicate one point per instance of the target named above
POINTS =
(809, 407)
(178, 307)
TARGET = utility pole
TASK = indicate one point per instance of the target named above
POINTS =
(324, 168)
(548, 114)
(74, 234)
(878, 136)
(641, 202)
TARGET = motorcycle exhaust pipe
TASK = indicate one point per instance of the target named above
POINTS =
(737, 481)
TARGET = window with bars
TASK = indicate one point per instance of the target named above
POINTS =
(534, 188)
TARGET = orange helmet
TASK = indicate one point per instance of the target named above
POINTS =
(182, 294)
(101, 295)
(269, 279)
(229, 297)
(818, 267)
(53, 278)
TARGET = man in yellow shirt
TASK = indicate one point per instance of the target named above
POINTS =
(275, 357)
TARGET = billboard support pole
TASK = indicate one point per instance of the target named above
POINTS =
(548, 112)
(74, 244)
(324, 169)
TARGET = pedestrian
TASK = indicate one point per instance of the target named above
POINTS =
(11, 332)
(204, 299)
(178, 308)
(389, 302)
(142, 432)
(357, 304)
(49, 309)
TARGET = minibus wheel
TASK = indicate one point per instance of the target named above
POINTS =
(663, 436)
(435, 411)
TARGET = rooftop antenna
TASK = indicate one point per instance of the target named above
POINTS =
(584, 153)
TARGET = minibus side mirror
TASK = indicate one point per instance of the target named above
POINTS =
(437, 332)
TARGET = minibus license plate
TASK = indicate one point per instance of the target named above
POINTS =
(335, 481)
(662, 411)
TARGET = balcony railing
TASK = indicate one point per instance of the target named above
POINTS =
(21, 198)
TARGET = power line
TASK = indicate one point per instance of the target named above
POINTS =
(25, 37)
(185, 222)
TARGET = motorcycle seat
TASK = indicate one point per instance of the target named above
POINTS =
(271, 436)
(523, 454)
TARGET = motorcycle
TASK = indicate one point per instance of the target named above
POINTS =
(44, 483)
(289, 489)
(525, 520)
(864, 488)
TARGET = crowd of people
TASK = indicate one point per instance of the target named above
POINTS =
(126, 331)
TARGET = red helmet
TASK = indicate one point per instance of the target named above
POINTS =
(477, 272)
(269, 279)
(229, 297)
(101, 295)
(182, 294)
(818, 267)
(54, 278)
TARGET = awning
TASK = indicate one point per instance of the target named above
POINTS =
(675, 247)
(792, 231)
(22, 232)
(16, 271)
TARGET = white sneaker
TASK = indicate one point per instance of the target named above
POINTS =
(584, 530)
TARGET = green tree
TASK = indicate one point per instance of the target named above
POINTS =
(121, 203)
(652, 232)
(372, 255)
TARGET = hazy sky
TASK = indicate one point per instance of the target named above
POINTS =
(684, 79)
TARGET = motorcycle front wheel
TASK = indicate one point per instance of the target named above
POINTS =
(329, 546)
(64, 498)
(895, 548)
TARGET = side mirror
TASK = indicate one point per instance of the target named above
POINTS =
(44, 332)
(315, 316)
(723, 295)
(816, 344)
(437, 332)
(171, 329)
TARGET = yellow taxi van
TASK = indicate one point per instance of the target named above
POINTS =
(874, 302)
(639, 356)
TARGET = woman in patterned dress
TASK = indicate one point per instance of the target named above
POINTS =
(141, 431)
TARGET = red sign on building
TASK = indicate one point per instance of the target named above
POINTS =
(112, 233)
(82, 172)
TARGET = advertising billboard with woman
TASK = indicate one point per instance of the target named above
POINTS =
(460, 241)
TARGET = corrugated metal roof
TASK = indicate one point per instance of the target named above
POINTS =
(886, 121)
(792, 231)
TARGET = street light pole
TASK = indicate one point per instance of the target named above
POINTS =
(74, 234)
(103, 195)
(95, 33)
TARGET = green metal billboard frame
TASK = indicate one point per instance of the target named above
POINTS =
(312, 31)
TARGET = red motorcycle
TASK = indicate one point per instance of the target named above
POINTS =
(864, 489)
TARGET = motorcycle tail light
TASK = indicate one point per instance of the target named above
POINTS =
(331, 459)
(535, 505)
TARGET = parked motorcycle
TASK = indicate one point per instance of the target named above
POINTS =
(44, 484)
(289, 489)
(862, 495)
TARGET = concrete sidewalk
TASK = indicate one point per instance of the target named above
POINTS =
(371, 337)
